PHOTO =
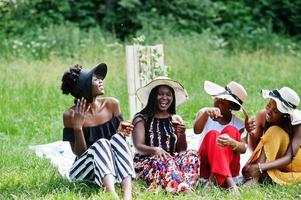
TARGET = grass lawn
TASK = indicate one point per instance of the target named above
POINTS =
(32, 106)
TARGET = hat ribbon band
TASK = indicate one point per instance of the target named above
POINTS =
(233, 95)
(277, 95)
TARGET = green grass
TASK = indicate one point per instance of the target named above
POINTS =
(32, 106)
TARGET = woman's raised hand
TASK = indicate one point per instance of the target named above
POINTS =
(179, 127)
(250, 125)
(213, 112)
(125, 128)
(79, 113)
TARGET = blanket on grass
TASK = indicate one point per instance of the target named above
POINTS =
(61, 156)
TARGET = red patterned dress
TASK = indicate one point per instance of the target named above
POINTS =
(175, 174)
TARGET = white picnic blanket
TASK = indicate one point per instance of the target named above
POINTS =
(59, 153)
(62, 157)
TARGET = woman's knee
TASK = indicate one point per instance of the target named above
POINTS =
(232, 132)
(229, 129)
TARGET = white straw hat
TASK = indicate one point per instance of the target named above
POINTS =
(180, 92)
(287, 101)
(233, 92)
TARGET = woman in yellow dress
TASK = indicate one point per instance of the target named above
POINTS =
(276, 141)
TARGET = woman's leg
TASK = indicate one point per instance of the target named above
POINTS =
(123, 164)
(231, 185)
(96, 165)
(126, 185)
(108, 182)
(221, 161)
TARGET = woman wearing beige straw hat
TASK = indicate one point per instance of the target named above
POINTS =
(277, 140)
(220, 131)
(96, 132)
(160, 140)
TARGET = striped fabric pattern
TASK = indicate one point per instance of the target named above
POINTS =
(104, 157)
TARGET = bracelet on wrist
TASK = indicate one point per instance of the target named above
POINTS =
(235, 146)
(259, 168)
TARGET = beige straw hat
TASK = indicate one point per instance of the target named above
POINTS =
(180, 92)
(287, 101)
(233, 92)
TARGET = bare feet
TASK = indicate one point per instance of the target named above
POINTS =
(232, 186)
(234, 190)
(251, 182)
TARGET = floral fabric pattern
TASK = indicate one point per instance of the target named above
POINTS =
(176, 174)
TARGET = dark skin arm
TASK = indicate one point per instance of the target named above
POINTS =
(102, 110)
(252, 170)
(223, 140)
(138, 136)
(292, 150)
(202, 118)
(239, 146)
(75, 118)
(254, 136)
(180, 132)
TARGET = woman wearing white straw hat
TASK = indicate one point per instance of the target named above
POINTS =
(277, 140)
(159, 137)
(221, 142)
(96, 132)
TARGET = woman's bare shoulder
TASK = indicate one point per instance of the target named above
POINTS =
(67, 117)
(111, 104)
(110, 101)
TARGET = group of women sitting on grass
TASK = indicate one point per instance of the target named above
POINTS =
(97, 135)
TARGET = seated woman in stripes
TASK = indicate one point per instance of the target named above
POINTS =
(221, 136)
(96, 132)
(276, 141)
(159, 137)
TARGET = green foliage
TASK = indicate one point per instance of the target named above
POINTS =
(228, 19)
(55, 40)
(284, 15)
(17, 17)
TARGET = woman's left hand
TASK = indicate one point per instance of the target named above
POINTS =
(225, 140)
(179, 127)
(251, 171)
(250, 125)
(125, 128)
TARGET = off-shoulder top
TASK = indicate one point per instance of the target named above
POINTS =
(94, 133)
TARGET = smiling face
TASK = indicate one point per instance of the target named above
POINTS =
(272, 113)
(164, 98)
(97, 86)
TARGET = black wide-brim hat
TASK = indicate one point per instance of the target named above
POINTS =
(83, 87)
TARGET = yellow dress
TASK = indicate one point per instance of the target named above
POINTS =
(275, 142)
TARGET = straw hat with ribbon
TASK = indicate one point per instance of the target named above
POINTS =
(180, 92)
(233, 92)
(287, 101)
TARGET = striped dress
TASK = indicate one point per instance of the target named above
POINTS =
(107, 153)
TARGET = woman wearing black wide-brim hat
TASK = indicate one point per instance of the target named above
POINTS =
(96, 132)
